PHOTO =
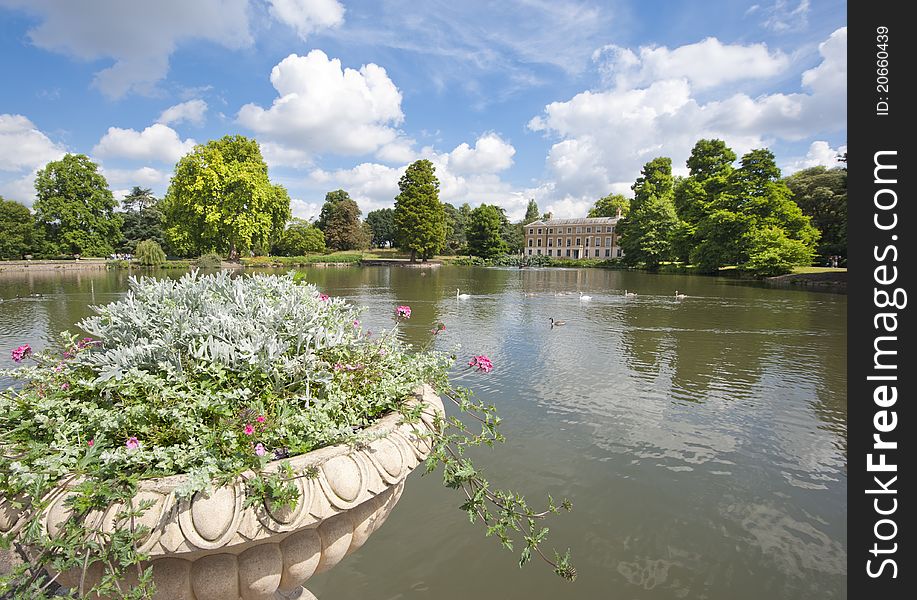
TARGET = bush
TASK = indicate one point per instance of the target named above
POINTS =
(149, 254)
(210, 261)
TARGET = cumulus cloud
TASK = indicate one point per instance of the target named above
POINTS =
(157, 142)
(604, 137)
(138, 36)
(308, 16)
(820, 154)
(705, 64)
(143, 177)
(466, 174)
(324, 108)
(23, 146)
(192, 111)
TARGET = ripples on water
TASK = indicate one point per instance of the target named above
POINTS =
(703, 440)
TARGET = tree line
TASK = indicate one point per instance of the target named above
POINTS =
(220, 200)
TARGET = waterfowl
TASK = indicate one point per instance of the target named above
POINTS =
(679, 296)
(461, 296)
(584, 298)
(557, 323)
(629, 294)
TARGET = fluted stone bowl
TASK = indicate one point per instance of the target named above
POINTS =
(210, 547)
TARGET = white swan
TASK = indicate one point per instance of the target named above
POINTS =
(461, 296)
(679, 296)
(629, 294)
(584, 298)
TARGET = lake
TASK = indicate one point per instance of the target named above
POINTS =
(703, 441)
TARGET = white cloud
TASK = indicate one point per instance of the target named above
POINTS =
(399, 151)
(606, 136)
(143, 177)
(157, 142)
(278, 155)
(324, 108)
(139, 36)
(192, 111)
(23, 146)
(705, 64)
(490, 155)
(308, 16)
(783, 16)
(820, 154)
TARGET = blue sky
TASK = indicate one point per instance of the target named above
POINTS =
(558, 100)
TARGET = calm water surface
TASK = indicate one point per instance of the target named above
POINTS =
(703, 441)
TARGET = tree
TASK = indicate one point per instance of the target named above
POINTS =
(821, 193)
(75, 208)
(646, 233)
(331, 200)
(343, 229)
(141, 219)
(531, 212)
(221, 200)
(420, 221)
(149, 254)
(382, 223)
(513, 234)
(610, 205)
(456, 221)
(299, 239)
(20, 236)
(484, 232)
(752, 222)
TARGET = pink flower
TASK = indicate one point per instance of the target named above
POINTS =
(249, 429)
(132, 443)
(356, 323)
(482, 363)
(21, 352)
(85, 342)
(91, 443)
(261, 418)
(65, 386)
(403, 311)
(324, 297)
(259, 449)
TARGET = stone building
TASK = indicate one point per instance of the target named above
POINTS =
(594, 237)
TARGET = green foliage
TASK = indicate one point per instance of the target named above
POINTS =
(821, 193)
(141, 219)
(211, 260)
(221, 200)
(300, 238)
(75, 208)
(343, 230)
(646, 233)
(531, 212)
(513, 234)
(20, 236)
(484, 232)
(610, 205)
(331, 200)
(382, 225)
(771, 252)
(149, 254)
(185, 376)
(420, 222)
(300, 261)
(456, 221)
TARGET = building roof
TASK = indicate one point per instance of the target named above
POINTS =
(581, 221)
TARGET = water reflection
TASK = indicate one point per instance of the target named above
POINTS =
(703, 440)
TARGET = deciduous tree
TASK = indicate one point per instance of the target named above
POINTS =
(20, 236)
(484, 232)
(343, 229)
(646, 233)
(75, 208)
(221, 200)
(382, 223)
(610, 205)
(299, 239)
(531, 212)
(821, 193)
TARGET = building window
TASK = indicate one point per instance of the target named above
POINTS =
(579, 242)
(569, 230)
(607, 252)
(531, 231)
(539, 231)
(551, 230)
(589, 230)
(539, 252)
(539, 243)
(550, 252)
(530, 251)
(608, 242)
(530, 242)
(596, 252)
(609, 230)
(568, 242)
(579, 230)
(619, 253)
(550, 242)
(587, 242)
(568, 254)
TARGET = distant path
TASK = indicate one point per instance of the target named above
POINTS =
(399, 262)
(50, 265)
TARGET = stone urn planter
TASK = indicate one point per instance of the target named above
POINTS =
(210, 547)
